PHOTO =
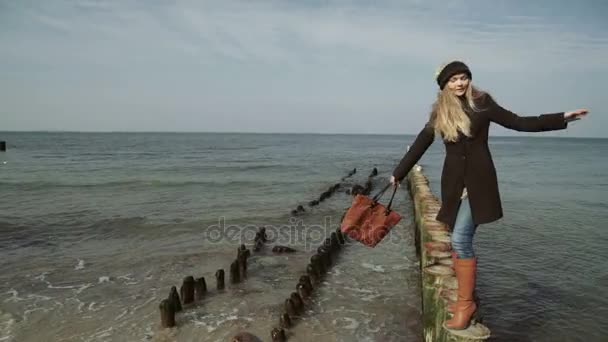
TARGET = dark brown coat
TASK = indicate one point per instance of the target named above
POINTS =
(468, 161)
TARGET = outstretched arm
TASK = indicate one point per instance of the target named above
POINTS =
(508, 119)
(421, 144)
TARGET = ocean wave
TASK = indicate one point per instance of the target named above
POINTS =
(7, 322)
(40, 185)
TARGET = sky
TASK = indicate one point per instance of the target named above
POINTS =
(292, 66)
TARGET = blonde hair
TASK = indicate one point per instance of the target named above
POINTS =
(448, 116)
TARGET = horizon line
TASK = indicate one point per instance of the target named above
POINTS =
(285, 133)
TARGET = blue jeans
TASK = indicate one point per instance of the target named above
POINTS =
(463, 232)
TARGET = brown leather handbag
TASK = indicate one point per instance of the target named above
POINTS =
(368, 221)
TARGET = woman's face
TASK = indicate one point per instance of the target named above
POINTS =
(458, 84)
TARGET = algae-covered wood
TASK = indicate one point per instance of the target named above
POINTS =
(439, 285)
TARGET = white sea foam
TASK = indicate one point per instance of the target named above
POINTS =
(400, 267)
(83, 287)
(346, 323)
(100, 335)
(6, 326)
(51, 286)
(42, 276)
(26, 313)
(360, 290)
(128, 279)
(370, 297)
(137, 307)
(80, 265)
(15, 296)
(375, 268)
(212, 323)
(80, 303)
(104, 279)
(123, 314)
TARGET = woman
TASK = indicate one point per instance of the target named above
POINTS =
(461, 115)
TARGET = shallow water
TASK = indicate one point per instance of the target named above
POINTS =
(96, 228)
(93, 240)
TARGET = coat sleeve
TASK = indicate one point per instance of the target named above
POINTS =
(508, 119)
(424, 139)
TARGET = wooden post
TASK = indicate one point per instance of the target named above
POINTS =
(317, 263)
(340, 235)
(297, 301)
(243, 250)
(174, 299)
(282, 249)
(313, 273)
(305, 280)
(188, 290)
(260, 239)
(234, 272)
(335, 243)
(258, 245)
(2, 146)
(219, 278)
(242, 264)
(167, 314)
(261, 234)
(325, 257)
(278, 335)
(285, 321)
(290, 307)
(303, 291)
(200, 289)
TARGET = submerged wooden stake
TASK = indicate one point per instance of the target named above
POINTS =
(219, 278)
(278, 335)
(305, 280)
(200, 289)
(297, 301)
(334, 241)
(234, 272)
(313, 273)
(290, 307)
(340, 236)
(317, 262)
(242, 262)
(285, 321)
(174, 299)
(167, 314)
(258, 245)
(243, 250)
(303, 291)
(188, 290)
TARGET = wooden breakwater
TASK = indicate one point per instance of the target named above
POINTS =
(289, 312)
(438, 282)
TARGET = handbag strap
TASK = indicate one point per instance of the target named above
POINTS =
(381, 192)
(388, 207)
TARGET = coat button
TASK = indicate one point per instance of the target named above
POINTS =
(464, 157)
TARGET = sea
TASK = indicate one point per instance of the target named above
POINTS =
(95, 229)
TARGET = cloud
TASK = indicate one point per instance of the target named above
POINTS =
(271, 59)
(280, 32)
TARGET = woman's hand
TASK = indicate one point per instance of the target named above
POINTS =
(394, 182)
(575, 115)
